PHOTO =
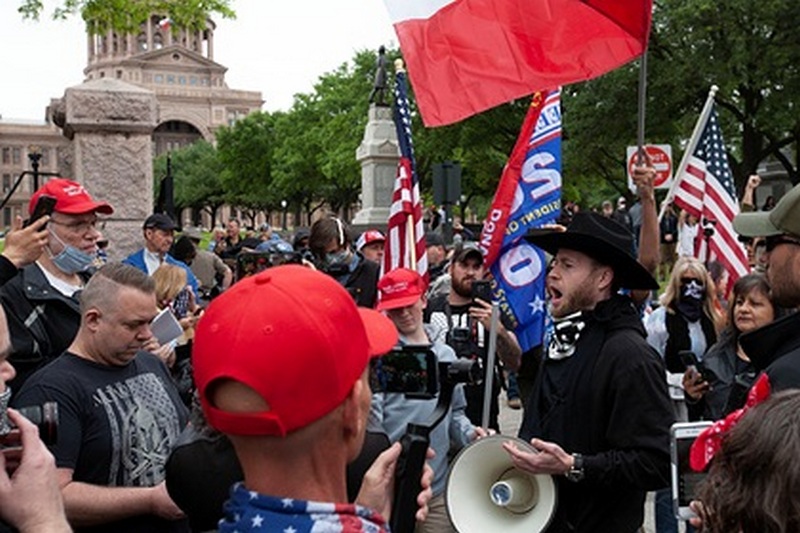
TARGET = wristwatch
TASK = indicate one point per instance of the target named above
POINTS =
(576, 472)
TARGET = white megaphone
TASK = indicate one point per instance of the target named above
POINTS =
(485, 492)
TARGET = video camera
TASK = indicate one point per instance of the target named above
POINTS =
(251, 263)
(415, 372)
(44, 417)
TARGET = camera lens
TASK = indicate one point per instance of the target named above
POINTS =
(45, 417)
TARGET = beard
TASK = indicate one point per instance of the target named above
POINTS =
(462, 287)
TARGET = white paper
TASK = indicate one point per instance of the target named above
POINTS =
(165, 327)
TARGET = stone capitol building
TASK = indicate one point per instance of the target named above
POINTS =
(177, 65)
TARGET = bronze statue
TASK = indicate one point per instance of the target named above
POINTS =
(378, 94)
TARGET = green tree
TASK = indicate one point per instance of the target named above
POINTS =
(196, 172)
(245, 151)
(126, 15)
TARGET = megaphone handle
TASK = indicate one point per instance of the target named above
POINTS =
(408, 474)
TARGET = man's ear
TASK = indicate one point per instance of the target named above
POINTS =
(91, 319)
(606, 277)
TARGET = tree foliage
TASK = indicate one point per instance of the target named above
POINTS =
(126, 15)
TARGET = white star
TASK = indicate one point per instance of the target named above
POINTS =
(253, 495)
(257, 520)
(290, 529)
(537, 305)
(287, 502)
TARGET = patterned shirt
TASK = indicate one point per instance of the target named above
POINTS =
(249, 511)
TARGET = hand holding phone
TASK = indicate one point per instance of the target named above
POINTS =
(44, 206)
(482, 289)
(685, 481)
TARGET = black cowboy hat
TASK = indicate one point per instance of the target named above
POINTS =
(602, 239)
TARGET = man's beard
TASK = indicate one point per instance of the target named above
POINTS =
(463, 287)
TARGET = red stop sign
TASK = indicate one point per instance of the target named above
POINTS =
(662, 161)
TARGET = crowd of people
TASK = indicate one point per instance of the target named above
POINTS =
(256, 410)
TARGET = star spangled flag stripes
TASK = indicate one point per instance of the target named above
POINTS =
(405, 240)
(704, 188)
(466, 56)
(528, 196)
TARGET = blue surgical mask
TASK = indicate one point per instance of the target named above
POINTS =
(337, 258)
(70, 260)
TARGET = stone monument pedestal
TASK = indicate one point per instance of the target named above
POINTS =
(111, 124)
(378, 154)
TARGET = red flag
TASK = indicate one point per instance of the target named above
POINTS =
(704, 188)
(405, 239)
(466, 56)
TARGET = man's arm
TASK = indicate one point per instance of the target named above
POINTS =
(508, 349)
(748, 198)
(223, 270)
(88, 504)
(649, 253)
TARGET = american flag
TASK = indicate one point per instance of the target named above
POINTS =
(705, 189)
(405, 242)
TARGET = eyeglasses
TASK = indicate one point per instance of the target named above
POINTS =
(774, 241)
(81, 227)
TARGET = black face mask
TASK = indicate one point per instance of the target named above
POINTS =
(690, 302)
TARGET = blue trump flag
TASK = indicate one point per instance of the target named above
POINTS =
(528, 196)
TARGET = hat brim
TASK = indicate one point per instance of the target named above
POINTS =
(464, 255)
(396, 303)
(103, 208)
(755, 225)
(381, 333)
(630, 273)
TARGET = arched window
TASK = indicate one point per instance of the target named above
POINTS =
(158, 41)
(141, 42)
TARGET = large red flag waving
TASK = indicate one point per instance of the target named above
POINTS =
(466, 56)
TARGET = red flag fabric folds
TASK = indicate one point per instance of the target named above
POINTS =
(466, 56)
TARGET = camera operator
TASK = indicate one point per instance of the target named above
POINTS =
(463, 322)
(403, 299)
(30, 499)
(330, 243)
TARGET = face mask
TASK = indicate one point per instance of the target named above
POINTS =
(5, 423)
(690, 304)
(337, 258)
(70, 260)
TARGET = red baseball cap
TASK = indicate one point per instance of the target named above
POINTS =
(293, 335)
(368, 237)
(400, 287)
(71, 198)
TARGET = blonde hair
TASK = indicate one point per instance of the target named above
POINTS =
(670, 297)
(169, 280)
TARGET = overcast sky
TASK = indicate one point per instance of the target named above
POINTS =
(276, 47)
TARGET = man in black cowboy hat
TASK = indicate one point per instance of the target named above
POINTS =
(600, 412)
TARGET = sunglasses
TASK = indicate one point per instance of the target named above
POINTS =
(774, 241)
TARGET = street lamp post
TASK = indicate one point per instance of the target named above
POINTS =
(35, 156)
(284, 203)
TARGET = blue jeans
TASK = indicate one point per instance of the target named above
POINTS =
(513, 388)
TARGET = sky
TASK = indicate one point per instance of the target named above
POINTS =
(277, 47)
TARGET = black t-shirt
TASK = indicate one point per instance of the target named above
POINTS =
(117, 424)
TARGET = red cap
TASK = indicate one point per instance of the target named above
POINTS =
(71, 198)
(368, 237)
(296, 337)
(401, 287)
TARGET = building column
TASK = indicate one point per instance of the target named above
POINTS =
(149, 34)
(111, 124)
(210, 43)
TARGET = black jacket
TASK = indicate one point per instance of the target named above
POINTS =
(362, 282)
(775, 349)
(42, 322)
(608, 402)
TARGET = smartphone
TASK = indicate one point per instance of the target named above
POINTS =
(688, 358)
(44, 206)
(482, 289)
(250, 263)
(685, 481)
(410, 370)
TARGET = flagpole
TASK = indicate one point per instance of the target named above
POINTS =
(693, 140)
(642, 107)
(410, 242)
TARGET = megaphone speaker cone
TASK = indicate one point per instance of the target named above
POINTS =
(486, 493)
